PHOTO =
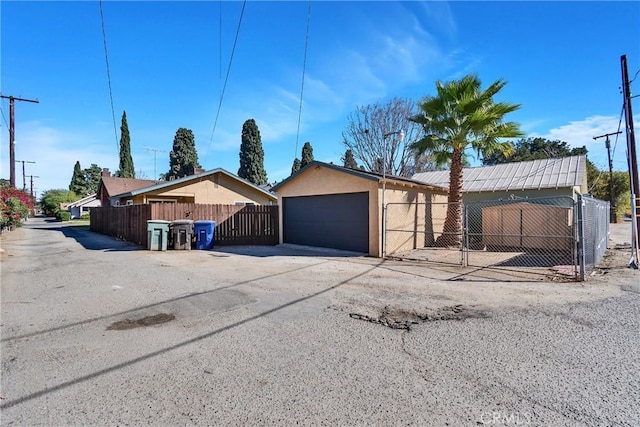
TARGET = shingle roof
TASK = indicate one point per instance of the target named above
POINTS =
(535, 174)
(87, 199)
(116, 185)
(373, 176)
(159, 185)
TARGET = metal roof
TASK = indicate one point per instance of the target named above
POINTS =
(534, 174)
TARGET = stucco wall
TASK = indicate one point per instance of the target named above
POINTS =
(212, 189)
(414, 218)
(321, 181)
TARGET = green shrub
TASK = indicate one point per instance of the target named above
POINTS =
(63, 216)
(85, 216)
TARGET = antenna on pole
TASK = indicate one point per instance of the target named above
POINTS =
(155, 152)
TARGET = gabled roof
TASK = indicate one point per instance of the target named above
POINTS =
(565, 172)
(372, 176)
(159, 185)
(116, 185)
(88, 199)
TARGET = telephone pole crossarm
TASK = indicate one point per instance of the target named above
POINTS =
(12, 135)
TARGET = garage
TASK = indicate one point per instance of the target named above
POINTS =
(339, 221)
(329, 206)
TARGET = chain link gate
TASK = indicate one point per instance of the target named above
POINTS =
(534, 233)
(593, 233)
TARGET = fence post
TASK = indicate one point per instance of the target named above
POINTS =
(581, 237)
(465, 236)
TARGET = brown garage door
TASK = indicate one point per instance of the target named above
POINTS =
(339, 221)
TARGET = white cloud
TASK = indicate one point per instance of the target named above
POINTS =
(55, 152)
(580, 133)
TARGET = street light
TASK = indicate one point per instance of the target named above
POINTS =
(400, 134)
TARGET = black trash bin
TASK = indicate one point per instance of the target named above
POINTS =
(182, 234)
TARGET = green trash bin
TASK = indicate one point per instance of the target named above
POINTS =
(182, 234)
(157, 234)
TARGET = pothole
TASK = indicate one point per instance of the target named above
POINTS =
(398, 318)
(156, 319)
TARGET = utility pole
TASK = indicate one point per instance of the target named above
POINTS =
(12, 135)
(24, 176)
(612, 196)
(32, 176)
(633, 163)
(33, 196)
(155, 152)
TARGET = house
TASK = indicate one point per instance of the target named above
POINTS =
(330, 206)
(110, 186)
(83, 206)
(487, 190)
(566, 176)
(216, 186)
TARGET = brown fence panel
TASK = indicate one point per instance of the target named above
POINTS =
(127, 222)
(251, 225)
(235, 225)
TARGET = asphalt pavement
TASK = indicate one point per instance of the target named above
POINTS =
(96, 331)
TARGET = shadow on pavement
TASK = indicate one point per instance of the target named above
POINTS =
(87, 238)
(286, 250)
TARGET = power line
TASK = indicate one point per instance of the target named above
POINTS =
(304, 67)
(106, 58)
(4, 118)
(615, 143)
(226, 79)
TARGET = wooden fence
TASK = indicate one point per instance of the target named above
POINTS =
(235, 225)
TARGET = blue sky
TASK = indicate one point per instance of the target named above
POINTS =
(168, 61)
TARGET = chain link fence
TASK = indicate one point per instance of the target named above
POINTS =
(536, 233)
(553, 237)
(593, 233)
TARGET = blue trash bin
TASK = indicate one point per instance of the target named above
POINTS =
(204, 231)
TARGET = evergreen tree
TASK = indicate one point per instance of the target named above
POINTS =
(252, 154)
(78, 181)
(183, 158)
(92, 178)
(296, 166)
(307, 154)
(126, 161)
(348, 160)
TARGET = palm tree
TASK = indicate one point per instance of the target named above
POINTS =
(460, 116)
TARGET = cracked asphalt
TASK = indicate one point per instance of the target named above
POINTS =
(277, 336)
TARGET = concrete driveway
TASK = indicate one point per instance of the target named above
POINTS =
(95, 331)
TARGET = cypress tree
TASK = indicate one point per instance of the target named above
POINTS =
(307, 154)
(78, 181)
(252, 154)
(92, 177)
(126, 161)
(296, 166)
(183, 158)
(349, 160)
